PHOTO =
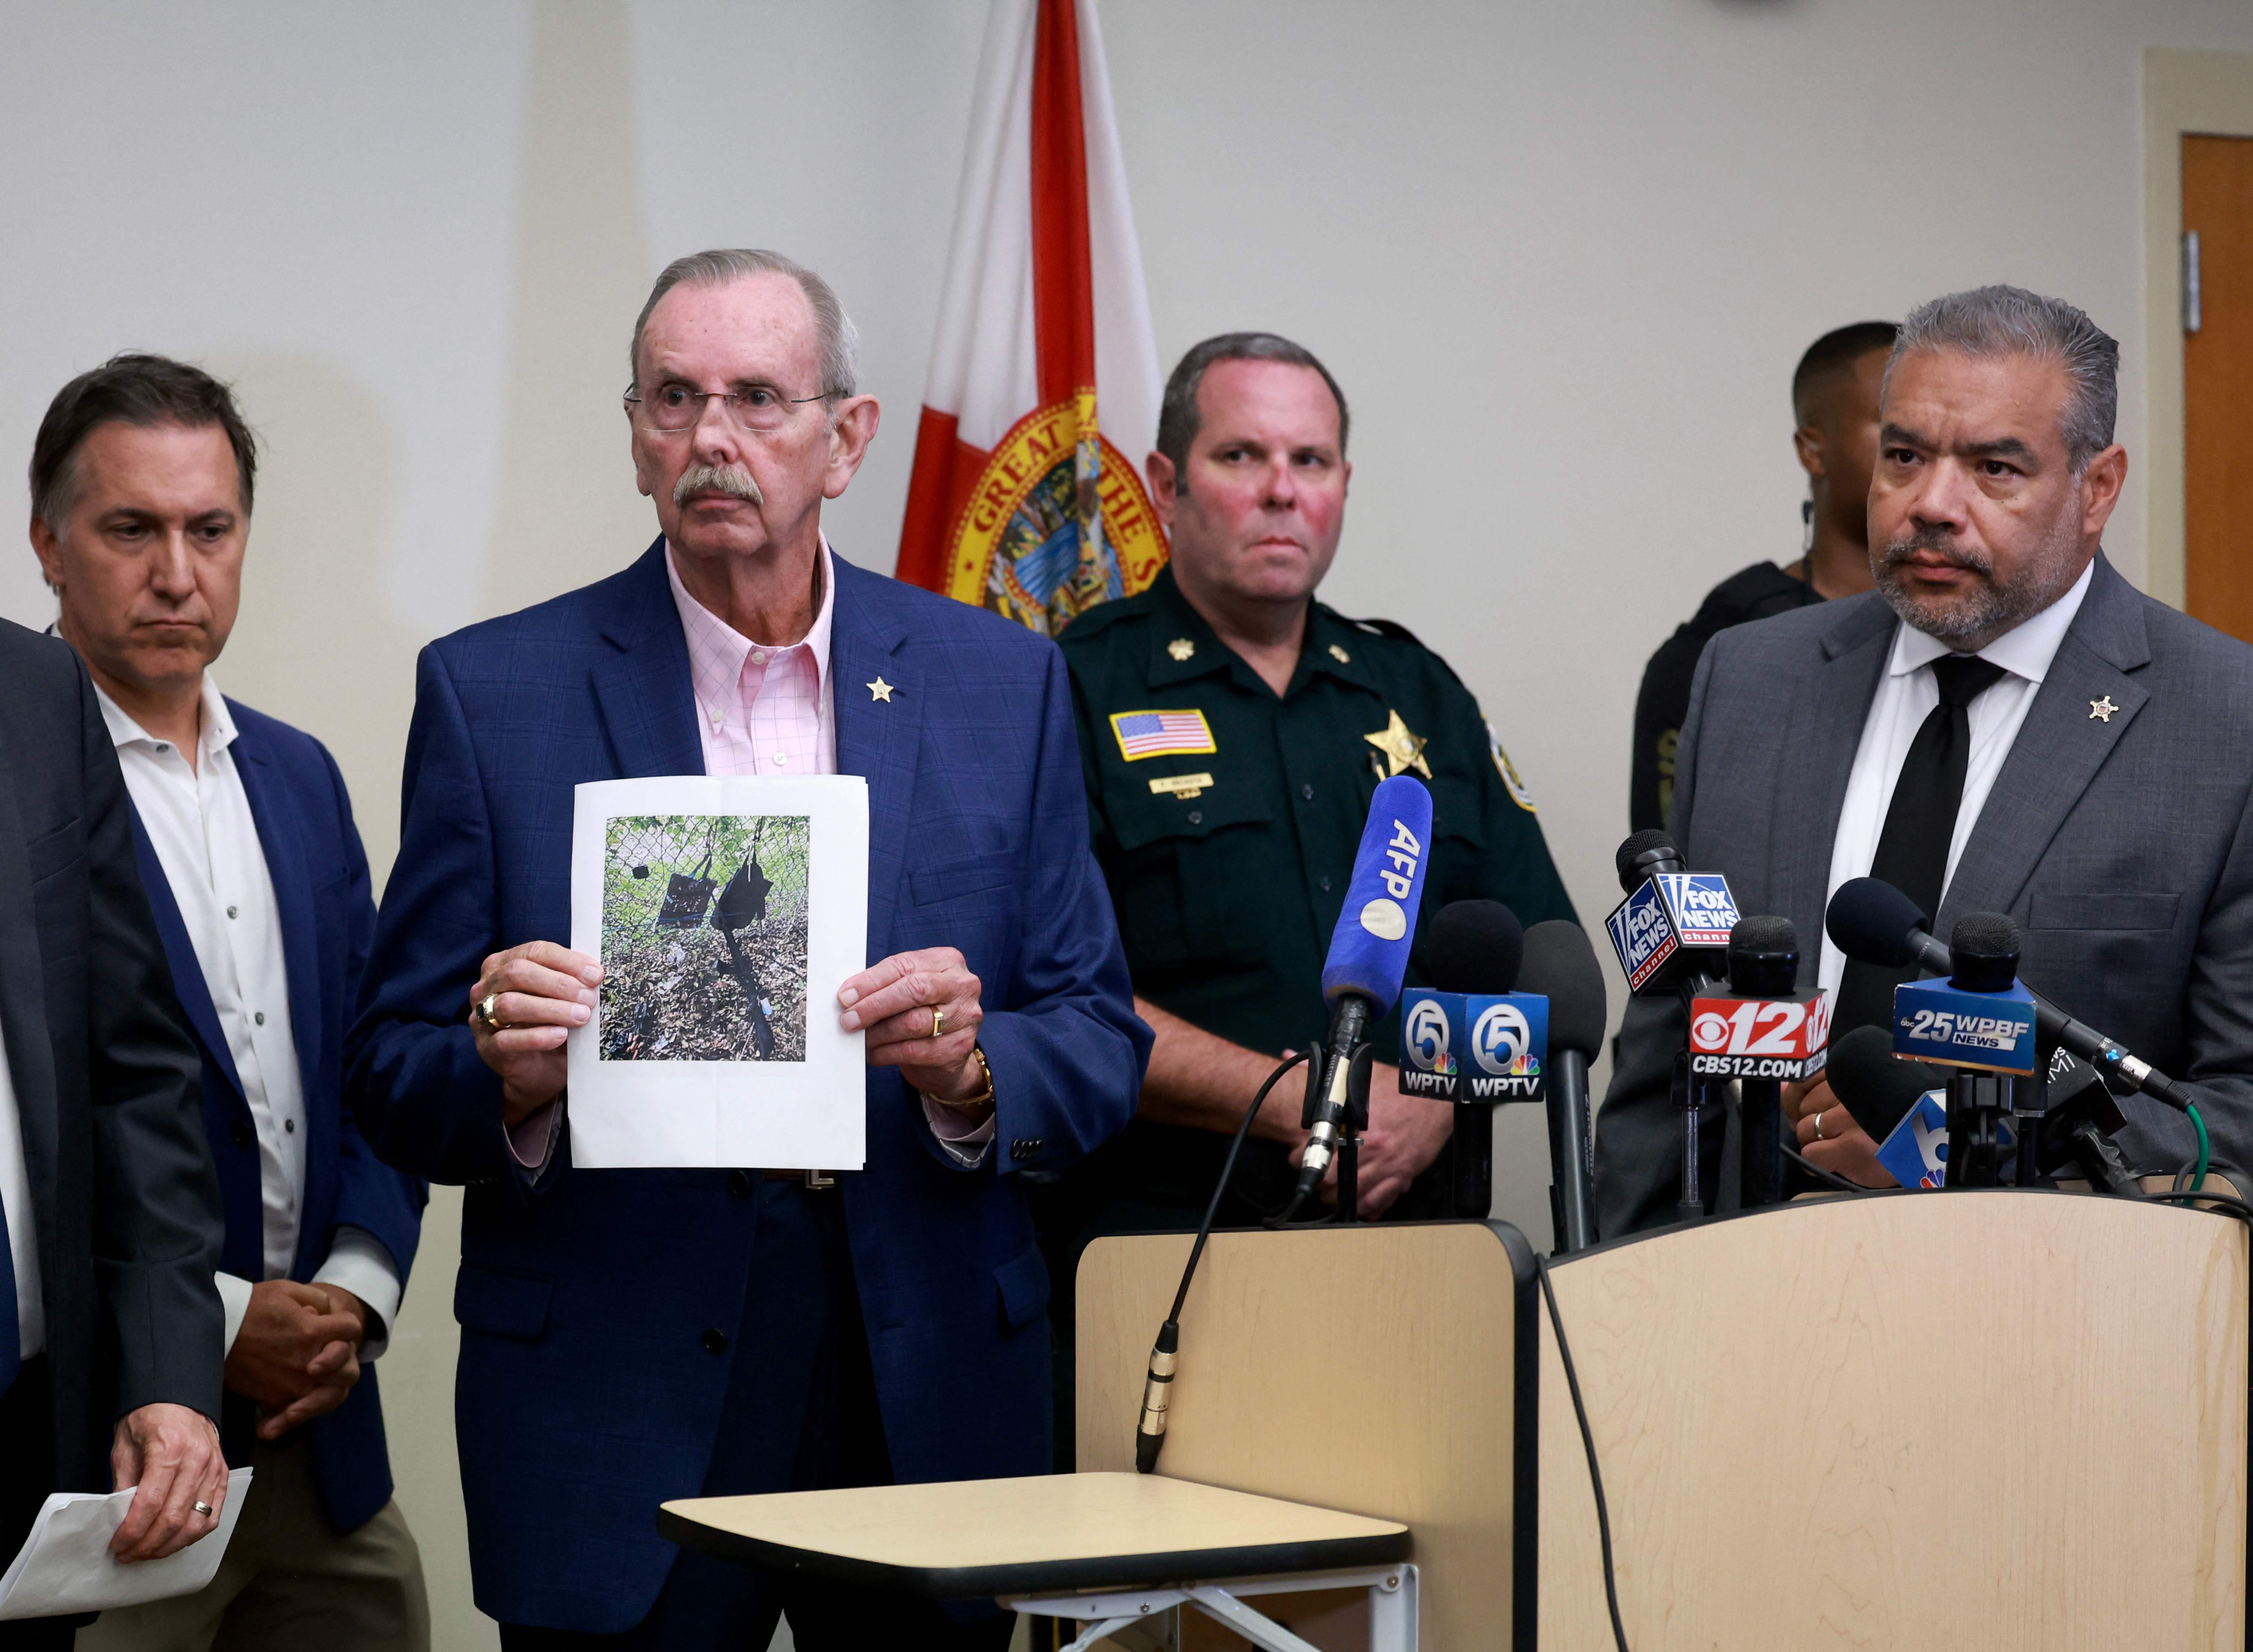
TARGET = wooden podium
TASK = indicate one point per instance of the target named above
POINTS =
(1988, 1419)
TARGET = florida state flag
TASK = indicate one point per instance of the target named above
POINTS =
(1043, 394)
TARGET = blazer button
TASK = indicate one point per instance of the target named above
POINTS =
(242, 1135)
(739, 1183)
(716, 1341)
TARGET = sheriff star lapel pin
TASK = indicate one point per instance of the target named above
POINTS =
(881, 690)
(2102, 710)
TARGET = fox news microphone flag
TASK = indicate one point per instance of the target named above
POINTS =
(1023, 499)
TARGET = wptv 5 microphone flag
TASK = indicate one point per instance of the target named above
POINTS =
(1025, 497)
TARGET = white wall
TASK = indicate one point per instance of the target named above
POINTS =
(1562, 259)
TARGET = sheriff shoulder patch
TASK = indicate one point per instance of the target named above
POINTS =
(1160, 733)
(1511, 783)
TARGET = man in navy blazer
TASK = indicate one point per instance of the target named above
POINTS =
(633, 1335)
(142, 482)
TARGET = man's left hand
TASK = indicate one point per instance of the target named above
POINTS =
(920, 1013)
(1405, 1134)
(172, 1454)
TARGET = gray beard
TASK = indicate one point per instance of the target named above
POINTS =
(1996, 606)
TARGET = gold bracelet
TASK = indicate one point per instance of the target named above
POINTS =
(984, 1098)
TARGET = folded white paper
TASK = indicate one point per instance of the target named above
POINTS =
(65, 1566)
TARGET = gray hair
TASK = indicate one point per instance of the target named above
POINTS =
(2005, 321)
(840, 340)
(1178, 419)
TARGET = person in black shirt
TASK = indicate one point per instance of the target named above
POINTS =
(1834, 400)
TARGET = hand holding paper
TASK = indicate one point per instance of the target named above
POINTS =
(539, 991)
(900, 1001)
(65, 1565)
(171, 1455)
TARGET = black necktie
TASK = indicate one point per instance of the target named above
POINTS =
(1920, 823)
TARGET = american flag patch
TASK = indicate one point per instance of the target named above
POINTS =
(1162, 734)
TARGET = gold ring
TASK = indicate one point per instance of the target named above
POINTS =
(486, 1013)
(1819, 1112)
(937, 1020)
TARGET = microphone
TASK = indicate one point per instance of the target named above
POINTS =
(1360, 977)
(1560, 965)
(1871, 920)
(2079, 1125)
(1474, 949)
(1671, 929)
(1875, 1087)
(1979, 1023)
(1764, 1033)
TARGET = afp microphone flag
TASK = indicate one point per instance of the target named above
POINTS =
(1026, 497)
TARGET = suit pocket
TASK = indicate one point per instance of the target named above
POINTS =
(51, 852)
(502, 1304)
(1023, 1280)
(953, 880)
(2090, 909)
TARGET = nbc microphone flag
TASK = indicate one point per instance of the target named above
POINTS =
(1025, 497)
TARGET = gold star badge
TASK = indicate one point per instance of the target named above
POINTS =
(1181, 648)
(1402, 750)
(2102, 710)
(881, 690)
(1340, 655)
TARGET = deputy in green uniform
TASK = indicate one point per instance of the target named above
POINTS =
(1232, 730)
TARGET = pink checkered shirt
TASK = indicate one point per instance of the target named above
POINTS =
(760, 709)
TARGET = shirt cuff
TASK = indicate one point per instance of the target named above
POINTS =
(531, 1141)
(966, 1143)
(235, 1298)
(361, 1263)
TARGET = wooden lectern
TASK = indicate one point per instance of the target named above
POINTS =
(1988, 1419)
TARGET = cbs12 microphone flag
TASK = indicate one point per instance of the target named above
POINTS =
(1043, 392)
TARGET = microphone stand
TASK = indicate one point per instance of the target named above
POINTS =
(1975, 1103)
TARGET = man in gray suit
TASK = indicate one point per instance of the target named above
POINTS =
(2005, 725)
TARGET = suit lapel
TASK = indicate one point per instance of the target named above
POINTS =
(2058, 749)
(1826, 729)
(876, 739)
(643, 692)
(23, 1010)
(188, 982)
(282, 838)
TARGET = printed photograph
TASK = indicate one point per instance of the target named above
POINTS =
(704, 937)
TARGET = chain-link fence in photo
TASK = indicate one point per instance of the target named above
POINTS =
(704, 935)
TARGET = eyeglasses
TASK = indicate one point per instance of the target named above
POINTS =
(759, 408)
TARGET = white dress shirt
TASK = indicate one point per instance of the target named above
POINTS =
(23, 1234)
(1905, 696)
(199, 822)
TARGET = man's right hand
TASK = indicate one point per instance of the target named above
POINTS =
(293, 1357)
(539, 992)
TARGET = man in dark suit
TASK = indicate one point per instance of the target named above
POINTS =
(141, 484)
(109, 1213)
(633, 1335)
(2005, 725)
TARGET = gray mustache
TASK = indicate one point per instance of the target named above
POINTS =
(1933, 542)
(708, 478)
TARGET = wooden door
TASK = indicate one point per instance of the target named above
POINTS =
(2217, 182)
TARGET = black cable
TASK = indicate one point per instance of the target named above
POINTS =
(2239, 1208)
(1827, 1177)
(1227, 1169)
(1588, 1444)
(1150, 1430)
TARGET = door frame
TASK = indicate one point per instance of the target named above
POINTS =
(2184, 92)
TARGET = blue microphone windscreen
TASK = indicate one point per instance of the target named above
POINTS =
(1369, 949)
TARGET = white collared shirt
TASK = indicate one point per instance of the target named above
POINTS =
(23, 1232)
(198, 821)
(1905, 696)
